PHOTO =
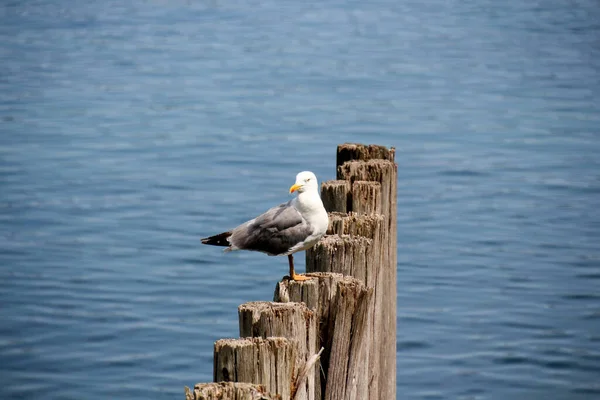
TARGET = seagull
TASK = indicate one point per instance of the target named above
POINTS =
(284, 229)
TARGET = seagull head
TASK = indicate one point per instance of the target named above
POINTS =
(305, 181)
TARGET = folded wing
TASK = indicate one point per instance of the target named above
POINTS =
(275, 232)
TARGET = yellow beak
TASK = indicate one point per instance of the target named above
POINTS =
(294, 188)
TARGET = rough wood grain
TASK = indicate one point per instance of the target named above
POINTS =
(361, 152)
(342, 305)
(372, 226)
(229, 391)
(360, 163)
(384, 172)
(347, 255)
(318, 295)
(366, 197)
(347, 376)
(290, 320)
(335, 195)
(336, 251)
(270, 362)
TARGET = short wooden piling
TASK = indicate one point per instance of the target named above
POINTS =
(293, 321)
(270, 362)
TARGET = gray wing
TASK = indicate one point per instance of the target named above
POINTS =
(273, 232)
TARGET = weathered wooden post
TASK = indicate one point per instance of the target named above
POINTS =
(293, 321)
(272, 362)
(372, 201)
(342, 308)
(348, 309)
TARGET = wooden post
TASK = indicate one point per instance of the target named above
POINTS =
(270, 362)
(372, 174)
(229, 391)
(342, 308)
(290, 320)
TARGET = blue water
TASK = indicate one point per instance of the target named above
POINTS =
(130, 129)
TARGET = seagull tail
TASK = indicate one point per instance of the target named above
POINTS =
(218, 240)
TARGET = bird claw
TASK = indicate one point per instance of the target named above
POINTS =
(299, 278)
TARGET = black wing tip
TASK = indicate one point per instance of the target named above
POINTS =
(217, 240)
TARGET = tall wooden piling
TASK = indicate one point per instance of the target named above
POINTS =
(347, 310)
(371, 202)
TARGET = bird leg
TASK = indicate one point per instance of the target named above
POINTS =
(293, 275)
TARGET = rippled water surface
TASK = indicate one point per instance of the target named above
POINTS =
(130, 129)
